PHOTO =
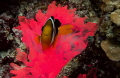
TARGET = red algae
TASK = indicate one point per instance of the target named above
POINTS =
(48, 63)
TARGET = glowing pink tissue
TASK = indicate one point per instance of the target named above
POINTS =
(48, 63)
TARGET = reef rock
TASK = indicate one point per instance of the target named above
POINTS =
(115, 17)
(112, 49)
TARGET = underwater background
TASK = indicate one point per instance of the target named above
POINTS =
(91, 50)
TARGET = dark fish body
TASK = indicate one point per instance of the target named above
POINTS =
(49, 32)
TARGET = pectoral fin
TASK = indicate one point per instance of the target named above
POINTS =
(65, 29)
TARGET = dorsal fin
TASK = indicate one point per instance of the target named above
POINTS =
(52, 17)
(57, 23)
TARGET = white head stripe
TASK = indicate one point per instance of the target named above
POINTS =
(54, 30)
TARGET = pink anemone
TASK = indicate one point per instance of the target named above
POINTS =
(47, 64)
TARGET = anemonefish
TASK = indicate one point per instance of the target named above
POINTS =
(50, 31)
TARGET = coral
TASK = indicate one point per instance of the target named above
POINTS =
(75, 1)
(90, 74)
(113, 3)
(107, 8)
(109, 28)
(5, 31)
(115, 17)
(80, 76)
(116, 32)
(48, 63)
(111, 49)
(110, 20)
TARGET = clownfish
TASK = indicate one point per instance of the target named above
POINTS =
(51, 29)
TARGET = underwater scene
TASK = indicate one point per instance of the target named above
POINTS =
(59, 38)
